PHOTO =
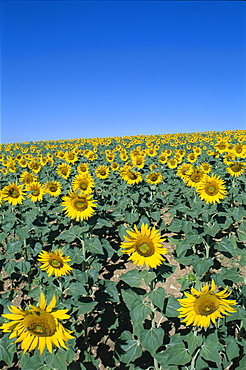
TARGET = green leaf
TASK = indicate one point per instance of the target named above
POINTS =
(129, 296)
(77, 289)
(22, 233)
(157, 297)
(151, 339)
(171, 306)
(131, 348)
(57, 360)
(7, 350)
(131, 218)
(147, 276)
(232, 349)
(86, 307)
(132, 278)
(231, 274)
(178, 355)
(102, 222)
(95, 246)
(139, 312)
(35, 363)
(194, 341)
(202, 265)
(209, 352)
(211, 229)
(225, 245)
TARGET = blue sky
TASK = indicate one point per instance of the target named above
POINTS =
(76, 69)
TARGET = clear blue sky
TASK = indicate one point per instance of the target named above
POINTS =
(75, 69)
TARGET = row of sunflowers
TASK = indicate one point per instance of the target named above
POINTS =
(96, 227)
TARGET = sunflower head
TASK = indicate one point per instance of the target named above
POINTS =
(144, 246)
(38, 327)
(200, 308)
(54, 263)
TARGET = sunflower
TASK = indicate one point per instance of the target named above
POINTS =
(192, 157)
(221, 146)
(152, 166)
(22, 162)
(172, 163)
(200, 308)
(236, 169)
(206, 167)
(211, 189)
(4, 171)
(35, 166)
(36, 191)
(154, 178)
(54, 263)
(13, 193)
(84, 183)
(38, 326)
(70, 157)
(145, 245)
(183, 169)
(138, 161)
(53, 188)
(64, 170)
(102, 172)
(228, 158)
(239, 150)
(83, 168)
(27, 177)
(130, 176)
(194, 177)
(78, 206)
(114, 166)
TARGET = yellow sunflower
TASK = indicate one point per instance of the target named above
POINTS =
(27, 177)
(83, 183)
(53, 188)
(183, 169)
(211, 189)
(83, 168)
(154, 178)
(35, 166)
(38, 327)
(102, 172)
(236, 169)
(78, 206)
(194, 177)
(172, 163)
(114, 166)
(54, 263)
(64, 170)
(70, 157)
(200, 308)
(13, 193)
(206, 167)
(192, 157)
(36, 191)
(138, 161)
(145, 246)
(130, 176)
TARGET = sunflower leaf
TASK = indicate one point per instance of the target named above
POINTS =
(133, 278)
(209, 352)
(151, 339)
(130, 347)
(157, 297)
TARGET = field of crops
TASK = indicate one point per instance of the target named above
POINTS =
(92, 231)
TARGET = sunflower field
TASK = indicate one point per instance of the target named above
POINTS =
(124, 253)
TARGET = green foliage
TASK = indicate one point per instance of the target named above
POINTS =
(123, 316)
